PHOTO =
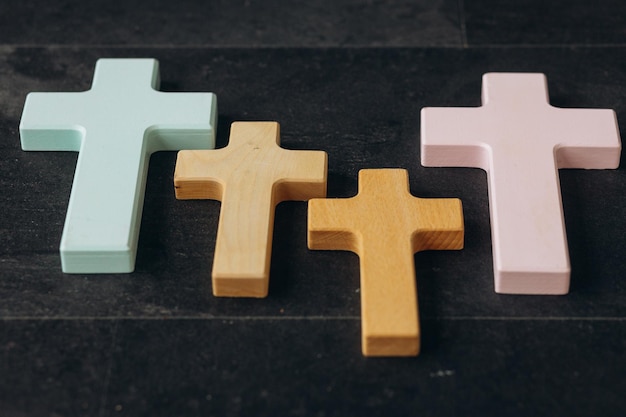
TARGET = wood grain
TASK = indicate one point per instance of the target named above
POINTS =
(385, 225)
(250, 177)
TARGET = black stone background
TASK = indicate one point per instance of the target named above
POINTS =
(348, 77)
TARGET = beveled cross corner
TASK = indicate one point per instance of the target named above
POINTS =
(115, 127)
(521, 141)
(385, 225)
(250, 176)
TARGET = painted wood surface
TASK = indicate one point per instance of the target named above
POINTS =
(115, 126)
(521, 141)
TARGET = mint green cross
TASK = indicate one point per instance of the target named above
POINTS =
(115, 127)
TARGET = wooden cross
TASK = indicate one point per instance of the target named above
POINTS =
(521, 141)
(115, 126)
(250, 176)
(385, 225)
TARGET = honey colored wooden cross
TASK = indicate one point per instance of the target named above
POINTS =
(385, 225)
(250, 176)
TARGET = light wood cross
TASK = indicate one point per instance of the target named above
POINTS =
(385, 225)
(250, 176)
(521, 141)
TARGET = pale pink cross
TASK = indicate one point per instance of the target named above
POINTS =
(522, 141)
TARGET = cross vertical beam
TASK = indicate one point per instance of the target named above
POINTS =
(385, 225)
(115, 126)
(522, 141)
(250, 176)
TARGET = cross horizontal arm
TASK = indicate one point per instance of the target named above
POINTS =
(44, 128)
(589, 139)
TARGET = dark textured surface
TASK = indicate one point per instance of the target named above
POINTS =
(156, 342)
(232, 23)
(541, 22)
(307, 367)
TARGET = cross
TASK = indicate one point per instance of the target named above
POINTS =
(115, 127)
(521, 141)
(385, 225)
(250, 177)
